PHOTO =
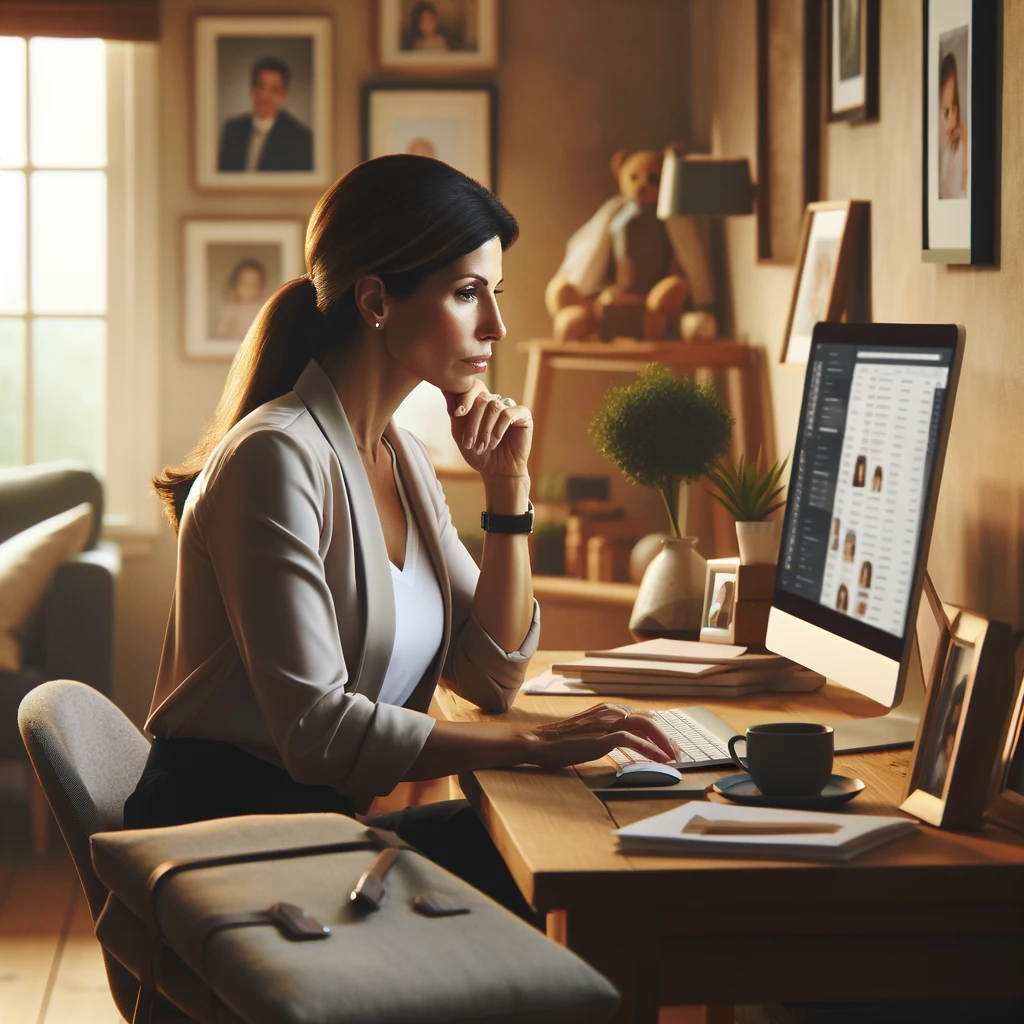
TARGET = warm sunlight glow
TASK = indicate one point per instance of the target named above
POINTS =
(68, 93)
(69, 242)
(12, 387)
(69, 389)
(12, 107)
(12, 242)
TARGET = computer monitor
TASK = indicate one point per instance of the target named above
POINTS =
(866, 467)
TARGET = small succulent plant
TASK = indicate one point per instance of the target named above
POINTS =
(749, 492)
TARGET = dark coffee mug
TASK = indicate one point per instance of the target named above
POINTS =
(787, 758)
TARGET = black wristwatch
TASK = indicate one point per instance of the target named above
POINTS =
(493, 523)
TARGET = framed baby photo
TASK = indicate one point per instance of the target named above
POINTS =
(852, 45)
(1007, 806)
(231, 268)
(967, 705)
(453, 123)
(262, 103)
(446, 36)
(960, 131)
(717, 621)
(827, 259)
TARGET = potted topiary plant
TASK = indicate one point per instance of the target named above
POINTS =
(750, 494)
(665, 432)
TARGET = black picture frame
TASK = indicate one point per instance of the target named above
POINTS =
(1007, 805)
(371, 88)
(867, 109)
(977, 245)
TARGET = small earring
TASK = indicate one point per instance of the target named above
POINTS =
(376, 324)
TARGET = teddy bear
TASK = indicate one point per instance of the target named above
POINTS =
(628, 273)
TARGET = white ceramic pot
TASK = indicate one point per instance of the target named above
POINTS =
(671, 595)
(759, 542)
(645, 550)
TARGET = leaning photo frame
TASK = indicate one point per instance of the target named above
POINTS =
(827, 259)
(718, 618)
(1007, 805)
(967, 704)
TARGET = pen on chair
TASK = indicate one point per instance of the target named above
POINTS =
(701, 826)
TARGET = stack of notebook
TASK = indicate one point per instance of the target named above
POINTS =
(683, 668)
(706, 829)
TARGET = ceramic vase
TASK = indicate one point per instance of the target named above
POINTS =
(671, 595)
(759, 542)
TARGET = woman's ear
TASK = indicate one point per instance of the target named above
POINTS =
(371, 300)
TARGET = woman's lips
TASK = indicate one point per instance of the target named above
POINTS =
(477, 365)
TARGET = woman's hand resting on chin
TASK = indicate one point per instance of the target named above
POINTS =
(494, 439)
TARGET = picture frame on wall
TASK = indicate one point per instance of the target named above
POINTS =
(262, 103)
(961, 132)
(231, 267)
(446, 36)
(1007, 806)
(852, 45)
(450, 122)
(967, 705)
(828, 258)
(718, 618)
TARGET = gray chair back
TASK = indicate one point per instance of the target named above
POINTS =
(88, 757)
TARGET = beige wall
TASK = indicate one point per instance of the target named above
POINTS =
(577, 80)
(977, 546)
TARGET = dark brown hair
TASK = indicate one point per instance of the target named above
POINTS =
(400, 217)
(947, 70)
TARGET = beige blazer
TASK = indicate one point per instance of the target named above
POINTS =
(283, 618)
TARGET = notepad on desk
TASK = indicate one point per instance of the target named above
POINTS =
(721, 684)
(763, 832)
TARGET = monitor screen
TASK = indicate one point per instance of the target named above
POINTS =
(870, 433)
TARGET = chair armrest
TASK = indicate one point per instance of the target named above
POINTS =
(79, 618)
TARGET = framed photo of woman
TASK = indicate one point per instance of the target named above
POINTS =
(262, 103)
(718, 619)
(852, 34)
(961, 731)
(231, 268)
(828, 257)
(451, 122)
(960, 133)
(446, 36)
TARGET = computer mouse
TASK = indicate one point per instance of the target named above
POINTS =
(646, 774)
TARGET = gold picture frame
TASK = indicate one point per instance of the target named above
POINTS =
(1007, 805)
(718, 617)
(830, 241)
(966, 709)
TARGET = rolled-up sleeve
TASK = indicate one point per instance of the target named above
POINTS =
(261, 520)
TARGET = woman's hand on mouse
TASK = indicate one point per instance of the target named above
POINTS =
(494, 437)
(595, 732)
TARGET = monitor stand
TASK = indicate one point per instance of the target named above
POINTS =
(898, 727)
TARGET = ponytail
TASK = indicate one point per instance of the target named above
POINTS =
(288, 331)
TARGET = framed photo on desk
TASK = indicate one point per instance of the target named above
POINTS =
(968, 700)
(1007, 805)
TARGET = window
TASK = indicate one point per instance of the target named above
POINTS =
(76, 353)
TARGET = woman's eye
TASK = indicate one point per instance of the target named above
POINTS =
(467, 294)
(499, 291)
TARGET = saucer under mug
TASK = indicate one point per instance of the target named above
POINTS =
(741, 789)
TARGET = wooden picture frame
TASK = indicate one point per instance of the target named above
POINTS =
(231, 266)
(788, 136)
(851, 41)
(827, 261)
(1007, 804)
(392, 110)
(465, 34)
(718, 617)
(960, 159)
(230, 105)
(967, 704)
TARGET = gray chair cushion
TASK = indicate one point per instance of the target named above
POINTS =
(392, 966)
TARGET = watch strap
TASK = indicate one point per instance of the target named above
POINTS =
(492, 522)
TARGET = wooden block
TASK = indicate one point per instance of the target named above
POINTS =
(750, 621)
(608, 559)
(755, 582)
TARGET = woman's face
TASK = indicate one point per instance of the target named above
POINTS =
(445, 332)
(248, 285)
(950, 110)
(427, 22)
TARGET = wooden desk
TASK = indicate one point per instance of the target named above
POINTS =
(936, 915)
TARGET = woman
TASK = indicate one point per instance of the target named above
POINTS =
(721, 610)
(243, 298)
(321, 588)
(953, 145)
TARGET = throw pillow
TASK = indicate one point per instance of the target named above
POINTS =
(28, 562)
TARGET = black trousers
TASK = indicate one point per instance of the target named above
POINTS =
(197, 780)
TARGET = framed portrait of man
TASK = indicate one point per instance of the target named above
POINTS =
(262, 95)
(231, 268)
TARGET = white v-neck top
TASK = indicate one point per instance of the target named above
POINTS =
(419, 613)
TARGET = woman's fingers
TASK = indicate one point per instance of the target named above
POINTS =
(641, 744)
(649, 729)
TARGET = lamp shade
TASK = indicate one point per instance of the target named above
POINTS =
(704, 186)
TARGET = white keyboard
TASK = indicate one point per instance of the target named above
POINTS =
(698, 747)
